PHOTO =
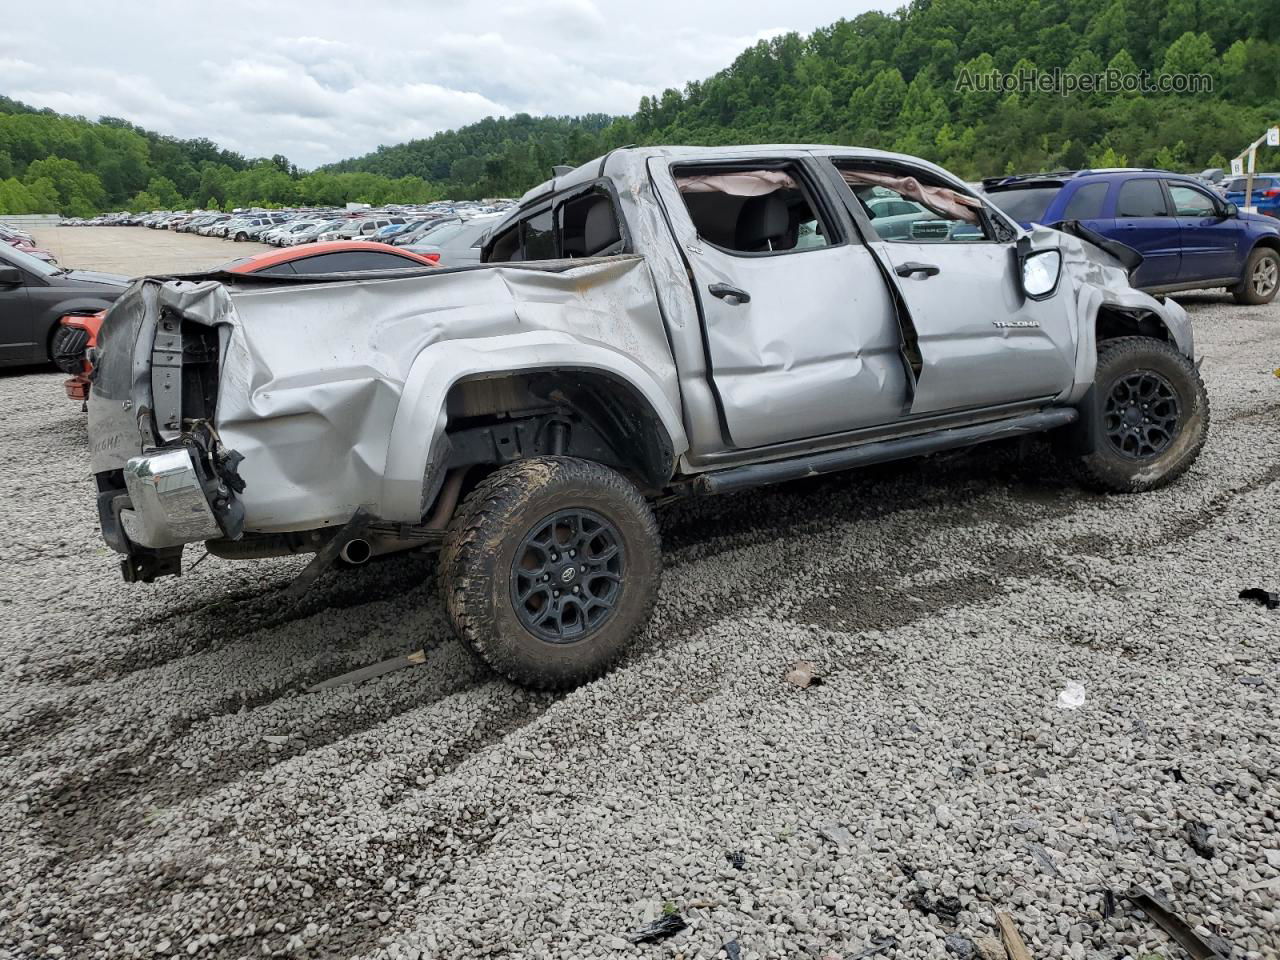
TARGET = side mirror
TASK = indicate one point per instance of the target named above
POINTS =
(11, 276)
(1230, 211)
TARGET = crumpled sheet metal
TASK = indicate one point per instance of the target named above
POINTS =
(1096, 278)
(313, 379)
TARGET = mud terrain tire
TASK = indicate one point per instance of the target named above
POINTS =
(549, 568)
(1153, 416)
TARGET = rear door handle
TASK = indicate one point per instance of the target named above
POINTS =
(730, 294)
(907, 269)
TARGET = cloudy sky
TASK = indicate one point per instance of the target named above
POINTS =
(325, 79)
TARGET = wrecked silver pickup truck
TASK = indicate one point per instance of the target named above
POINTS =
(659, 322)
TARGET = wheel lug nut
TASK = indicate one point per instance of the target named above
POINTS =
(573, 553)
(555, 593)
(575, 589)
(582, 569)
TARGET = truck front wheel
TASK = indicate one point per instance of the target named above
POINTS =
(549, 568)
(1152, 416)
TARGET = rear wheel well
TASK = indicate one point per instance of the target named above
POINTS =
(1114, 322)
(495, 420)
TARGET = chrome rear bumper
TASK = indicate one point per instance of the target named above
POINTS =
(167, 503)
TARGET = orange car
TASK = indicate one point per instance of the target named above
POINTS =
(79, 332)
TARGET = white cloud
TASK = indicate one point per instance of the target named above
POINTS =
(335, 79)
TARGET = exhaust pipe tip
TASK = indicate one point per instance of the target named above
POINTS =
(356, 552)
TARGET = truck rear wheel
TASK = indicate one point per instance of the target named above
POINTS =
(1153, 416)
(549, 568)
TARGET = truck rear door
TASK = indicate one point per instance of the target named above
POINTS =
(799, 327)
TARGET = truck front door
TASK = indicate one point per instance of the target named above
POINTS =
(979, 342)
(799, 326)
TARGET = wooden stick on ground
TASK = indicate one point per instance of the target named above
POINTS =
(1012, 939)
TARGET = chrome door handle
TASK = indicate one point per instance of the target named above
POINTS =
(730, 294)
(907, 269)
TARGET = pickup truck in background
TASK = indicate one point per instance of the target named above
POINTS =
(658, 323)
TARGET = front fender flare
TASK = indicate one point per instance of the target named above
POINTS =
(410, 477)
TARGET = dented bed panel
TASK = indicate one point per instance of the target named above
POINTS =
(313, 377)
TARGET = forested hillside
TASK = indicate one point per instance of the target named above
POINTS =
(885, 80)
(889, 81)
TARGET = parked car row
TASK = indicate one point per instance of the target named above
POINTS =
(21, 240)
(450, 231)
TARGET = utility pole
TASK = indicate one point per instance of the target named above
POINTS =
(1238, 167)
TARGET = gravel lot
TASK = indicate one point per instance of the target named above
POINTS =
(136, 250)
(438, 812)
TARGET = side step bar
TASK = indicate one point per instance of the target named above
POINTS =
(881, 451)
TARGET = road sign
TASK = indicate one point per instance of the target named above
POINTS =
(1237, 167)
(1273, 137)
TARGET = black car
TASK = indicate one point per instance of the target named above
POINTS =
(35, 294)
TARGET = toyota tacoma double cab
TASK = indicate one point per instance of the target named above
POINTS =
(660, 322)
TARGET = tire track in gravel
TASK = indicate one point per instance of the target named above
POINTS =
(831, 541)
(853, 505)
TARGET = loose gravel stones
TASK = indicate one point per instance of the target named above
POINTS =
(167, 789)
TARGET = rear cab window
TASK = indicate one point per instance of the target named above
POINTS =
(583, 222)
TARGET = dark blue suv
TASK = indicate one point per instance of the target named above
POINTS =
(1189, 238)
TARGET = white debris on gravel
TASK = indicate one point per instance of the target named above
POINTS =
(166, 788)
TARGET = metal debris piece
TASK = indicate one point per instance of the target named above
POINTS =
(961, 947)
(665, 926)
(732, 950)
(944, 908)
(277, 739)
(1159, 910)
(737, 859)
(804, 674)
(1267, 598)
(1251, 681)
(371, 671)
(1108, 904)
(1042, 857)
(1198, 838)
(878, 945)
(837, 833)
